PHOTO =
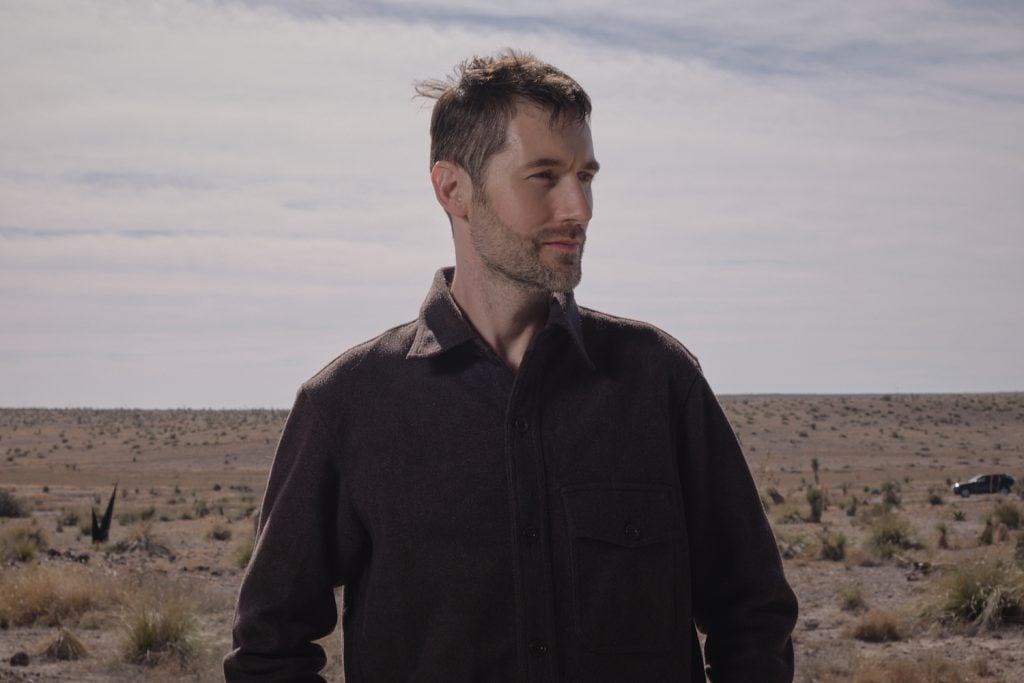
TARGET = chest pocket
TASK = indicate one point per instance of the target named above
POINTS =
(624, 546)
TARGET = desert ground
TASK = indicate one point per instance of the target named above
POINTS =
(898, 579)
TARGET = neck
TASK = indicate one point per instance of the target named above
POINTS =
(504, 313)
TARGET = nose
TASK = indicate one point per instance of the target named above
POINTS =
(575, 202)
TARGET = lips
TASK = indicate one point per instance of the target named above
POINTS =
(563, 244)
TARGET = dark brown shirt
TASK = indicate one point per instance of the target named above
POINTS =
(571, 521)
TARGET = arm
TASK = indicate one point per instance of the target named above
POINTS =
(741, 598)
(307, 543)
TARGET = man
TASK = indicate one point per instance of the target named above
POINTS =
(512, 488)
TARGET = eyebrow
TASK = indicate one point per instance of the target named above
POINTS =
(592, 165)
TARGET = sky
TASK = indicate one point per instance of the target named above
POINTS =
(204, 202)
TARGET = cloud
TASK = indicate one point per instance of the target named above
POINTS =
(813, 197)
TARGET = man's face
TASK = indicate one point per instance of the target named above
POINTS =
(529, 224)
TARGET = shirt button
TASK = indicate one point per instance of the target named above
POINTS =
(633, 533)
(521, 425)
(538, 648)
(531, 535)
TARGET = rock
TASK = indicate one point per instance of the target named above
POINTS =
(20, 659)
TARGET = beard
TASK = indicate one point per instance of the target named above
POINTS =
(517, 258)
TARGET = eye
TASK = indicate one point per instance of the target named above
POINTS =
(547, 176)
(586, 178)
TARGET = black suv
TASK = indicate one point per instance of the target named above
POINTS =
(984, 483)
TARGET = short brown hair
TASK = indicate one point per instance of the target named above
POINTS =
(475, 104)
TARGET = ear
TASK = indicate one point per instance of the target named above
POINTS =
(451, 187)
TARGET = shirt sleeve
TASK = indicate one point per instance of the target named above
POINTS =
(307, 543)
(741, 599)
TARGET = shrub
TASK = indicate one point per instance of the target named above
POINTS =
(877, 626)
(851, 599)
(891, 494)
(219, 533)
(10, 506)
(161, 628)
(1007, 512)
(959, 515)
(833, 546)
(943, 530)
(22, 543)
(816, 499)
(983, 595)
(142, 539)
(200, 508)
(70, 518)
(889, 534)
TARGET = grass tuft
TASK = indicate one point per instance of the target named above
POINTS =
(162, 628)
(65, 646)
(982, 595)
(889, 534)
(833, 546)
(22, 543)
(851, 599)
(877, 626)
(1007, 512)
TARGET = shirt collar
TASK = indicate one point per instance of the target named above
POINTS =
(441, 326)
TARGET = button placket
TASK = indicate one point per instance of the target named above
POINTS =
(527, 468)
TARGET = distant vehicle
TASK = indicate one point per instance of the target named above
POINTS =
(984, 483)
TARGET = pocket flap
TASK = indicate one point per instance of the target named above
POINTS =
(630, 515)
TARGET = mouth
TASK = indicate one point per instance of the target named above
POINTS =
(564, 245)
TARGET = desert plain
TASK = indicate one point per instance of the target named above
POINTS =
(898, 579)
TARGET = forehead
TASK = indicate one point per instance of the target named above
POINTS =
(531, 133)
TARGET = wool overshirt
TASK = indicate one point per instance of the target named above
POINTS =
(570, 521)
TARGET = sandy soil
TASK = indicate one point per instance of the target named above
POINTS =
(188, 478)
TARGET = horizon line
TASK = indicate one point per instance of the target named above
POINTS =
(723, 395)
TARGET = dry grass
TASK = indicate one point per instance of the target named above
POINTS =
(21, 543)
(195, 452)
(242, 552)
(161, 626)
(878, 626)
(851, 599)
(1007, 512)
(927, 669)
(143, 539)
(982, 595)
(65, 646)
(889, 534)
(53, 596)
(833, 546)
